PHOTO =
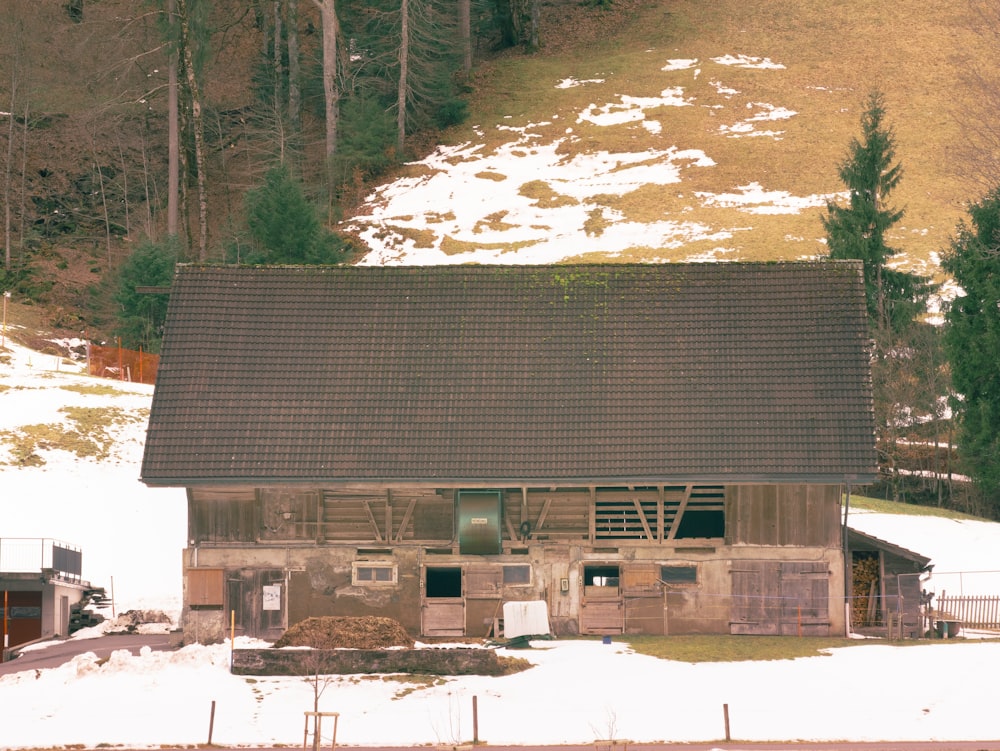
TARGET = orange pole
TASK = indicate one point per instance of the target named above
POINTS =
(3, 651)
(121, 366)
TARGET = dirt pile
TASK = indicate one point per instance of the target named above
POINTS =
(343, 632)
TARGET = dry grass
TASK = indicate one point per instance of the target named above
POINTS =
(834, 54)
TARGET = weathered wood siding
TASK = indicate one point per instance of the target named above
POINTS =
(684, 559)
(807, 515)
(223, 515)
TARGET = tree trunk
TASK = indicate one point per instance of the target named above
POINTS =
(173, 134)
(197, 127)
(331, 89)
(294, 93)
(404, 62)
(465, 29)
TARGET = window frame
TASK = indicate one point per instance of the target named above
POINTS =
(374, 566)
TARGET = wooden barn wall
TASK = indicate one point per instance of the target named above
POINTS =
(222, 515)
(807, 515)
(773, 515)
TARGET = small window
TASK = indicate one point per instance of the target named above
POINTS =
(679, 574)
(373, 574)
(517, 575)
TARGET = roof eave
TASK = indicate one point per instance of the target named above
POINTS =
(853, 479)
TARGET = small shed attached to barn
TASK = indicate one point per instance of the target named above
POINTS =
(886, 587)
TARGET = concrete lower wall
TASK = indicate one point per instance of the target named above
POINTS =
(268, 588)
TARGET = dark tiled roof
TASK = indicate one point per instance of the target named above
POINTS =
(615, 372)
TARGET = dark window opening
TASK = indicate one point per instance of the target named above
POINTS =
(600, 576)
(443, 582)
(679, 574)
(697, 523)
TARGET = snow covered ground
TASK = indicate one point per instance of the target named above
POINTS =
(577, 692)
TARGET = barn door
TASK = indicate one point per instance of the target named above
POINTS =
(602, 608)
(442, 612)
(258, 601)
(805, 598)
(784, 598)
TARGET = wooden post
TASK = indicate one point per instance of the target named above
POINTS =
(3, 647)
(725, 714)
(211, 723)
(475, 719)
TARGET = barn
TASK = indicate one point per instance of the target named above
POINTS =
(644, 448)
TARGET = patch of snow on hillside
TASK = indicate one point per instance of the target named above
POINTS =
(569, 83)
(523, 203)
(765, 113)
(680, 64)
(754, 199)
(630, 109)
(747, 61)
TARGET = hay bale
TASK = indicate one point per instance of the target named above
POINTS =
(345, 632)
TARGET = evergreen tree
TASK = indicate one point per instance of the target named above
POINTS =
(285, 226)
(972, 342)
(894, 298)
(859, 229)
(141, 315)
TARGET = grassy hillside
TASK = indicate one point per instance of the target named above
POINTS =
(826, 56)
(88, 84)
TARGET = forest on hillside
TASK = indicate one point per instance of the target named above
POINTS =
(195, 122)
(138, 133)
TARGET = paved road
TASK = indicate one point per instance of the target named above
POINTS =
(718, 746)
(59, 651)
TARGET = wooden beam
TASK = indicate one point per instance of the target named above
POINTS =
(642, 518)
(680, 512)
(388, 514)
(372, 522)
(659, 514)
(406, 519)
(514, 536)
(543, 513)
(592, 516)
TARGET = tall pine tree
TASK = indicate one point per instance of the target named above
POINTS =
(859, 229)
(894, 298)
(972, 342)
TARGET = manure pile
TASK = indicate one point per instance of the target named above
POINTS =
(344, 632)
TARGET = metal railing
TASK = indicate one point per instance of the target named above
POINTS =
(28, 555)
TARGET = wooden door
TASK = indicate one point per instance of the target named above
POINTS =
(246, 597)
(602, 606)
(442, 611)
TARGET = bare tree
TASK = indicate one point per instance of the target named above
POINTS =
(173, 132)
(331, 87)
(294, 68)
(979, 150)
(17, 99)
(187, 40)
(403, 85)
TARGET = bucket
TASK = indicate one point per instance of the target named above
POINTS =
(606, 640)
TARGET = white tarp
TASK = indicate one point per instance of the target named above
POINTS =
(529, 618)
